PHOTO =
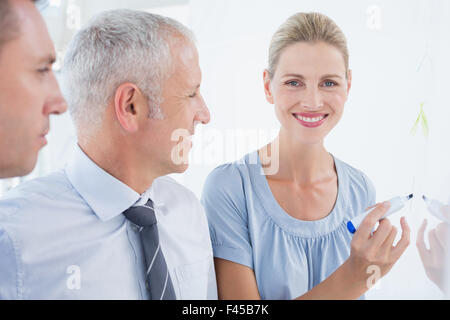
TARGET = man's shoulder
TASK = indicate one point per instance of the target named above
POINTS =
(182, 203)
(56, 181)
(182, 221)
(35, 193)
(169, 187)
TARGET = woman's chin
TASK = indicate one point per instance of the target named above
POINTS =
(312, 142)
(308, 138)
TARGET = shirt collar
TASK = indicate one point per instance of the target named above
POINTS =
(106, 195)
(148, 194)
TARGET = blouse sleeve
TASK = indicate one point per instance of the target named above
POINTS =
(371, 192)
(224, 202)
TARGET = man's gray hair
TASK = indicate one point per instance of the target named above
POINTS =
(115, 47)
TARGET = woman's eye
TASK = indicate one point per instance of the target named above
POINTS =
(293, 83)
(329, 83)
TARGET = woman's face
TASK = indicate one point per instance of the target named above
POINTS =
(309, 89)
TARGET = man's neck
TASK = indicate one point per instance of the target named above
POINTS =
(118, 160)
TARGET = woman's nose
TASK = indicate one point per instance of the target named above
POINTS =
(312, 99)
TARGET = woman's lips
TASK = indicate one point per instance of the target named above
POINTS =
(310, 120)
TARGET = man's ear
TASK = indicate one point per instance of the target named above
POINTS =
(125, 106)
(267, 89)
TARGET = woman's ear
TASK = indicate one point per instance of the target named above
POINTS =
(349, 80)
(125, 106)
(267, 88)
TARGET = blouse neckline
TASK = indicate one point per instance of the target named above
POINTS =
(280, 217)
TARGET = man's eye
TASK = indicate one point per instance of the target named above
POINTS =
(193, 95)
(44, 70)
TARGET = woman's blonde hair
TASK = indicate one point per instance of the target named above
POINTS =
(306, 27)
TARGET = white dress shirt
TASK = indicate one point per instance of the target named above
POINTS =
(63, 236)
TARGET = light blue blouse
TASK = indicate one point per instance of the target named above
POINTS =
(289, 256)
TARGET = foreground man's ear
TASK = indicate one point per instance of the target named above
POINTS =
(126, 106)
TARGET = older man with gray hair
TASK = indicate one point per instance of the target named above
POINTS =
(111, 225)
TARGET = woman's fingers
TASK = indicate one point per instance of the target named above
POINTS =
(420, 242)
(443, 235)
(382, 233)
(367, 225)
(435, 244)
(373, 206)
(445, 210)
(387, 244)
(403, 243)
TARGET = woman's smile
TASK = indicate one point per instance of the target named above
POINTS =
(310, 120)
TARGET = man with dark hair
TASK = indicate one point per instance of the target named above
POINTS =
(29, 92)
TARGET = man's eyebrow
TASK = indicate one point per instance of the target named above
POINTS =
(297, 75)
(50, 59)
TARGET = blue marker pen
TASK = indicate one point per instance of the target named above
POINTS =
(435, 208)
(397, 203)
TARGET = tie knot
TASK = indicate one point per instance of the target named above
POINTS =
(142, 216)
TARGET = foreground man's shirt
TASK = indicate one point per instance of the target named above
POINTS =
(63, 236)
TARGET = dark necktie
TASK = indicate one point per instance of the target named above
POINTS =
(157, 276)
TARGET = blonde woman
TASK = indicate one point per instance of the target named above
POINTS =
(284, 235)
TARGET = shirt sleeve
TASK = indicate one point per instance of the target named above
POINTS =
(8, 267)
(224, 202)
(211, 290)
(371, 192)
(211, 293)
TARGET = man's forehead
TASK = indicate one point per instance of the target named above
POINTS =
(183, 50)
(186, 63)
(33, 35)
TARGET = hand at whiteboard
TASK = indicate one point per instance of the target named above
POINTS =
(376, 249)
(434, 259)
(445, 211)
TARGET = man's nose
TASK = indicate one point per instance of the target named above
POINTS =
(55, 104)
(203, 114)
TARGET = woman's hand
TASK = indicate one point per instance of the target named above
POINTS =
(434, 259)
(349, 281)
(376, 252)
(369, 253)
